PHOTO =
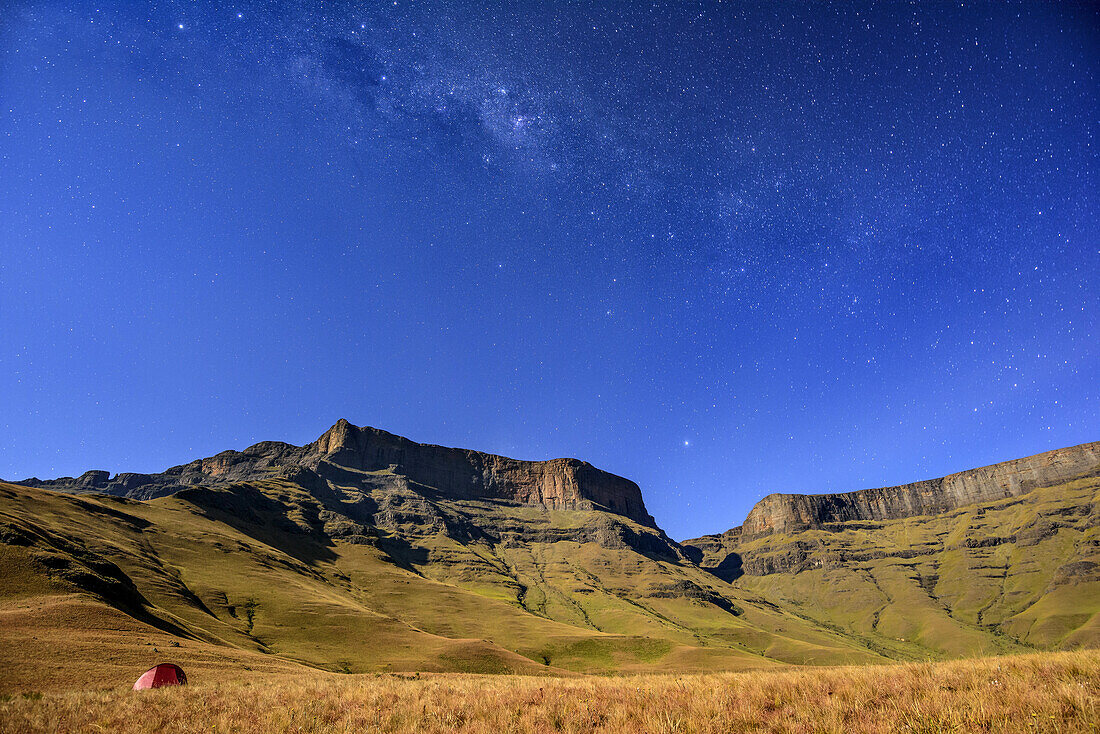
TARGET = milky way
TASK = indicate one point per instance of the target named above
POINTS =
(722, 248)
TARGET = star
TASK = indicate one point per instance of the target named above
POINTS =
(790, 197)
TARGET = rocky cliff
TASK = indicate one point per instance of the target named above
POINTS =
(783, 513)
(345, 452)
(1009, 549)
(774, 537)
(464, 474)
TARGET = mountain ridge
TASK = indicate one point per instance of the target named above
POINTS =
(1003, 554)
(365, 551)
(561, 483)
(783, 512)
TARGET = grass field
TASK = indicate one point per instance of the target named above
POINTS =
(1048, 692)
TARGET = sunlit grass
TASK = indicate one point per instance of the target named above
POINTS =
(1055, 692)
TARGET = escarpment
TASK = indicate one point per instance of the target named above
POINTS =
(568, 484)
(346, 453)
(782, 513)
(781, 534)
(1008, 549)
(397, 546)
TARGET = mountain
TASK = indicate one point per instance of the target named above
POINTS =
(364, 551)
(344, 448)
(792, 512)
(991, 559)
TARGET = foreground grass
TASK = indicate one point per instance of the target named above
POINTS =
(1056, 692)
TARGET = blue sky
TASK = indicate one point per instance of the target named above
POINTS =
(721, 249)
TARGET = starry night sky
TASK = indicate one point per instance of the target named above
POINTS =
(723, 249)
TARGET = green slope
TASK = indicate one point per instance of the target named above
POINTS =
(1015, 574)
(366, 570)
(270, 571)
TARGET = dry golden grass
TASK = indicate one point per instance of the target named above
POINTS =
(1054, 692)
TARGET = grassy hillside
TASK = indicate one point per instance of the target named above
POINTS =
(1053, 692)
(270, 577)
(1020, 573)
(368, 571)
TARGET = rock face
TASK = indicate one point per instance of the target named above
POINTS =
(773, 538)
(344, 452)
(1009, 548)
(463, 474)
(783, 513)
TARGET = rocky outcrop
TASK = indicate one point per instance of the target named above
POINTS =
(784, 513)
(772, 538)
(263, 460)
(717, 554)
(463, 474)
(345, 452)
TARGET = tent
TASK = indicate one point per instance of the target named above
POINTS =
(165, 674)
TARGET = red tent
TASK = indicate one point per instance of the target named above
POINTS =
(165, 674)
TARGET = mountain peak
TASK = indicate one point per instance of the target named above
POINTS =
(336, 437)
(467, 474)
(343, 452)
